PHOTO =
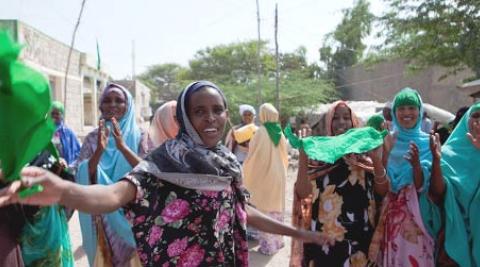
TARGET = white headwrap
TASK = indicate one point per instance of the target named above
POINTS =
(246, 107)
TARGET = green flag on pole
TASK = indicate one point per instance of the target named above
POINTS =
(99, 63)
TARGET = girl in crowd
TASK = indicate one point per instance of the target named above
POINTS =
(265, 171)
(185, 200)
(401, 235)
(164, 126)
(343, 202)
(64, 138)
(108, 153)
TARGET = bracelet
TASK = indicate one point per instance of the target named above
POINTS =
(381, 176)
(384, 180)
(380, 183)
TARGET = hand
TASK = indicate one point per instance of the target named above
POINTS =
(474, 134)
(435, 145)
(413, 155)
(376, 154)
(117, 134)
(53, 188)
(305, 132)
(103, 133)
(357, 160)
(314, 237)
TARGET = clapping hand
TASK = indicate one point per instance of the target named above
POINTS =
(103, 133)
(412, 155)
(435, 145)
(117, 134)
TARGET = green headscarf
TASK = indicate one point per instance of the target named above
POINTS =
(25, 102)
(274, 131)
(329, 149)
(407, 97)
(58, 106)
(376, 121)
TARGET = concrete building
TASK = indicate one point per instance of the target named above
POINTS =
(141, 94)
(472, 89)
(382, 81)
(85, 81)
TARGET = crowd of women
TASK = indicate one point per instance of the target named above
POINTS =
(176, 196)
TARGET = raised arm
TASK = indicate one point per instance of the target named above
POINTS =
(93, 199)
(437, 184)
(380, 180)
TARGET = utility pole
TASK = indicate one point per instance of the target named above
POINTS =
(72, 44)
(259, 62)
(133, 66)
(277, 70)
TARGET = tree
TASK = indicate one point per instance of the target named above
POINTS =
(344, 46)
(165, 79)
(435, 32)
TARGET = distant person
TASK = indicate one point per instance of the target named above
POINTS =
(445, 131)
(64, 138)
(265, 171)
(247, 113)
(427, 125)
(387, 115)
(164, 125)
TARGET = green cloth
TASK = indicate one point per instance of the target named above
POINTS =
(274, 130)
(27, 126)
(460, 161)
(375, 121)
(407, 97)
(58, 106)
(331, 148)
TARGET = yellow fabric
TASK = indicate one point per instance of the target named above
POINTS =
(265, 168)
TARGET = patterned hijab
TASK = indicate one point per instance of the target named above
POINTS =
(188, 154)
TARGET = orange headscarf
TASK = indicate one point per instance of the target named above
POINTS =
(164, 126)
(331, 113)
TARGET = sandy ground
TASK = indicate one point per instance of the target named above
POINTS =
(256, 259)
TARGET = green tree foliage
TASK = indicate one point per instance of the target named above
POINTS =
(344, 46)
(435, 32)
(234, 68)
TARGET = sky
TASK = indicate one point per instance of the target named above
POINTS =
(173, 31)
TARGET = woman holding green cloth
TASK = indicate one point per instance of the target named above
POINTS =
(265, 170)
(401, 235)
(336, 199)
(460, 156)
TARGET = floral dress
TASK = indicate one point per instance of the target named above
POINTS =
(175, 226)
(344, 208)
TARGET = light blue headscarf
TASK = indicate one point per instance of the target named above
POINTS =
(398, 168)
(111, 168)
(460, 169)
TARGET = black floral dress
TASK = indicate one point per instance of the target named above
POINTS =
(175, 226)
(344, 208)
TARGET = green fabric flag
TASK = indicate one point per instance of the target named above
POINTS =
(26, 125)
(274, 130)
(329, 149)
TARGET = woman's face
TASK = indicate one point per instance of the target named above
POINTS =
(247, 117)
(407, 116)
(208, 115)
(56, 116)
(342, 120)
(114, 104)
(473, 123)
